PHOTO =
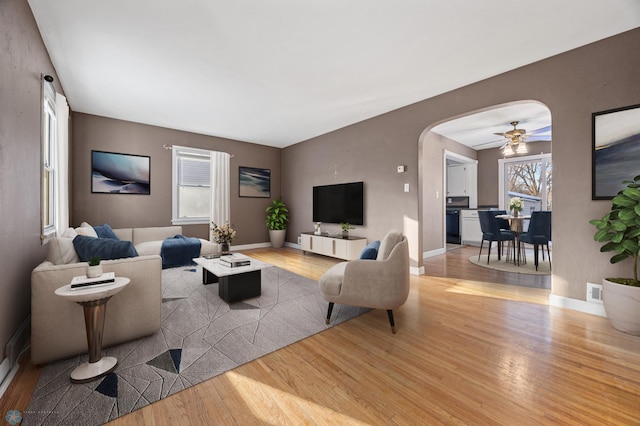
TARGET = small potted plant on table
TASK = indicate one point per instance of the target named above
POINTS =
(345, 229)
(619, 230)
(94, 269)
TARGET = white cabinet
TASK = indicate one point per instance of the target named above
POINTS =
(334, 246)
(462, 180)
(470, 232)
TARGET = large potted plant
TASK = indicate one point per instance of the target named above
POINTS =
(619, 230)
(277, 219)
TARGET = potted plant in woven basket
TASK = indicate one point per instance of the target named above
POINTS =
(619, 230)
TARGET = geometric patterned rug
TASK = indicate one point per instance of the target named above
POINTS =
(201, 337)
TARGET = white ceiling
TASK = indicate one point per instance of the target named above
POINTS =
(478, 130)
(280, 72)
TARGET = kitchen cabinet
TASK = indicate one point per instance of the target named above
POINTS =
(470, 232)
(462, 181)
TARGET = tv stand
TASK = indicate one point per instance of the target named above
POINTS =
(333, 245)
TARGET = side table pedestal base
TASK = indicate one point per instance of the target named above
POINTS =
(90, 371)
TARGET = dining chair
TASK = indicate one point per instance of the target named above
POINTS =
(490, 226)
(538, 234)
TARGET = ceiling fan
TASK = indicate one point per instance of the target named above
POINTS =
(514, 139)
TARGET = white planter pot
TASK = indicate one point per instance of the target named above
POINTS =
(277, 237)
(622, 304)
(94, 271)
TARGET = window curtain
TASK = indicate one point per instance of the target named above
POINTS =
(220, 187)
(62, 165)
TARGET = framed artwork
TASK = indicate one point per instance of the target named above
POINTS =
(255, 182)
(616, 150)
(114, 173)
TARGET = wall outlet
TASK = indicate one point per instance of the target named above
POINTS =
(594, 293)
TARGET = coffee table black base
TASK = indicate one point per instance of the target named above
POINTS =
(234, 288)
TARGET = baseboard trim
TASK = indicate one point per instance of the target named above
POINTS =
(416, 270)
(7, 373)
(9, 366)
(250, 246)
(432, 253)
(577, 305)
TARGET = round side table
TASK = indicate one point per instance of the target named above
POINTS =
(94, 301)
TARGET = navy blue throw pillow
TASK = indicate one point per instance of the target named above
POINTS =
(370, 251)
(104, 248)
(105, 231)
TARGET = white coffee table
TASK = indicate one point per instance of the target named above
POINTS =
(234, 284)
(94, 301)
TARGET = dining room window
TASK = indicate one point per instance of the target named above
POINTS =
(529, 178)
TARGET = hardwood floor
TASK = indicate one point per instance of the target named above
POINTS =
(469, 349)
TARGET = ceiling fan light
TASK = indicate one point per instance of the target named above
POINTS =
(508, 151)
(522, 149)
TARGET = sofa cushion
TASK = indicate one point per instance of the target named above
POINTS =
(104, 248)
(149, 247)
(86, 230)
(370, 251)
(105, 231)
(60, 250)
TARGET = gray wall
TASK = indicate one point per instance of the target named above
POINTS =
(23, 59)
(127, 210)
(572, 85)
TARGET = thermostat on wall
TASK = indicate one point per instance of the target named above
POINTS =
(402, 169)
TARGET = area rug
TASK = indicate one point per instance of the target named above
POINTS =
(522, 268)
(201, 337)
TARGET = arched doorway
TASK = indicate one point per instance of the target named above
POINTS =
(474, 136)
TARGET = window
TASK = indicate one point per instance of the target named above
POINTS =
(191, 185)
(49, 162)
(529, 178)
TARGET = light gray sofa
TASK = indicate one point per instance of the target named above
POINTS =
(57, 325)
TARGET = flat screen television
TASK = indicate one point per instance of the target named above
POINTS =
(339, 203)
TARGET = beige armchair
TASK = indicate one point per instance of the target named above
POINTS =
(380, 284)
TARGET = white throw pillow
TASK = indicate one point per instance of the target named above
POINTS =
(60, 250)
(86, 230)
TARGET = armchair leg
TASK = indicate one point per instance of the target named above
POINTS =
(326, 321)
(393, 324)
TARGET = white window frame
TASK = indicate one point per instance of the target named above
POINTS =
(176, 151)
(49, 163)
(502, 203)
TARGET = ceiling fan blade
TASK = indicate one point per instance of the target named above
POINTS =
(541, 130)
(489, 143)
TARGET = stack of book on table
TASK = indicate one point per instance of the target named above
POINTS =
(235, 259)
(83, 281)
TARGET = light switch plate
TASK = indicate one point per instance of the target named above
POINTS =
(406, 187)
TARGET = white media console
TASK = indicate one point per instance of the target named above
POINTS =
(333, 245)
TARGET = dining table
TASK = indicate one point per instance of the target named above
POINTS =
(516, 225)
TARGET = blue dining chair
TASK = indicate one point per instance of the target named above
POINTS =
(490, 227)
(538, 234)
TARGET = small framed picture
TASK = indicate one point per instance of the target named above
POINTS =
(255, 182)
(115, 173)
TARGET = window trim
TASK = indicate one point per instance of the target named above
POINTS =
(48, 162)
(501, 175)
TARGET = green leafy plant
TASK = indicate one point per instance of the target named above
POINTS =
(94, 260)
(277, 215)
(346, 226)
(620, 229)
